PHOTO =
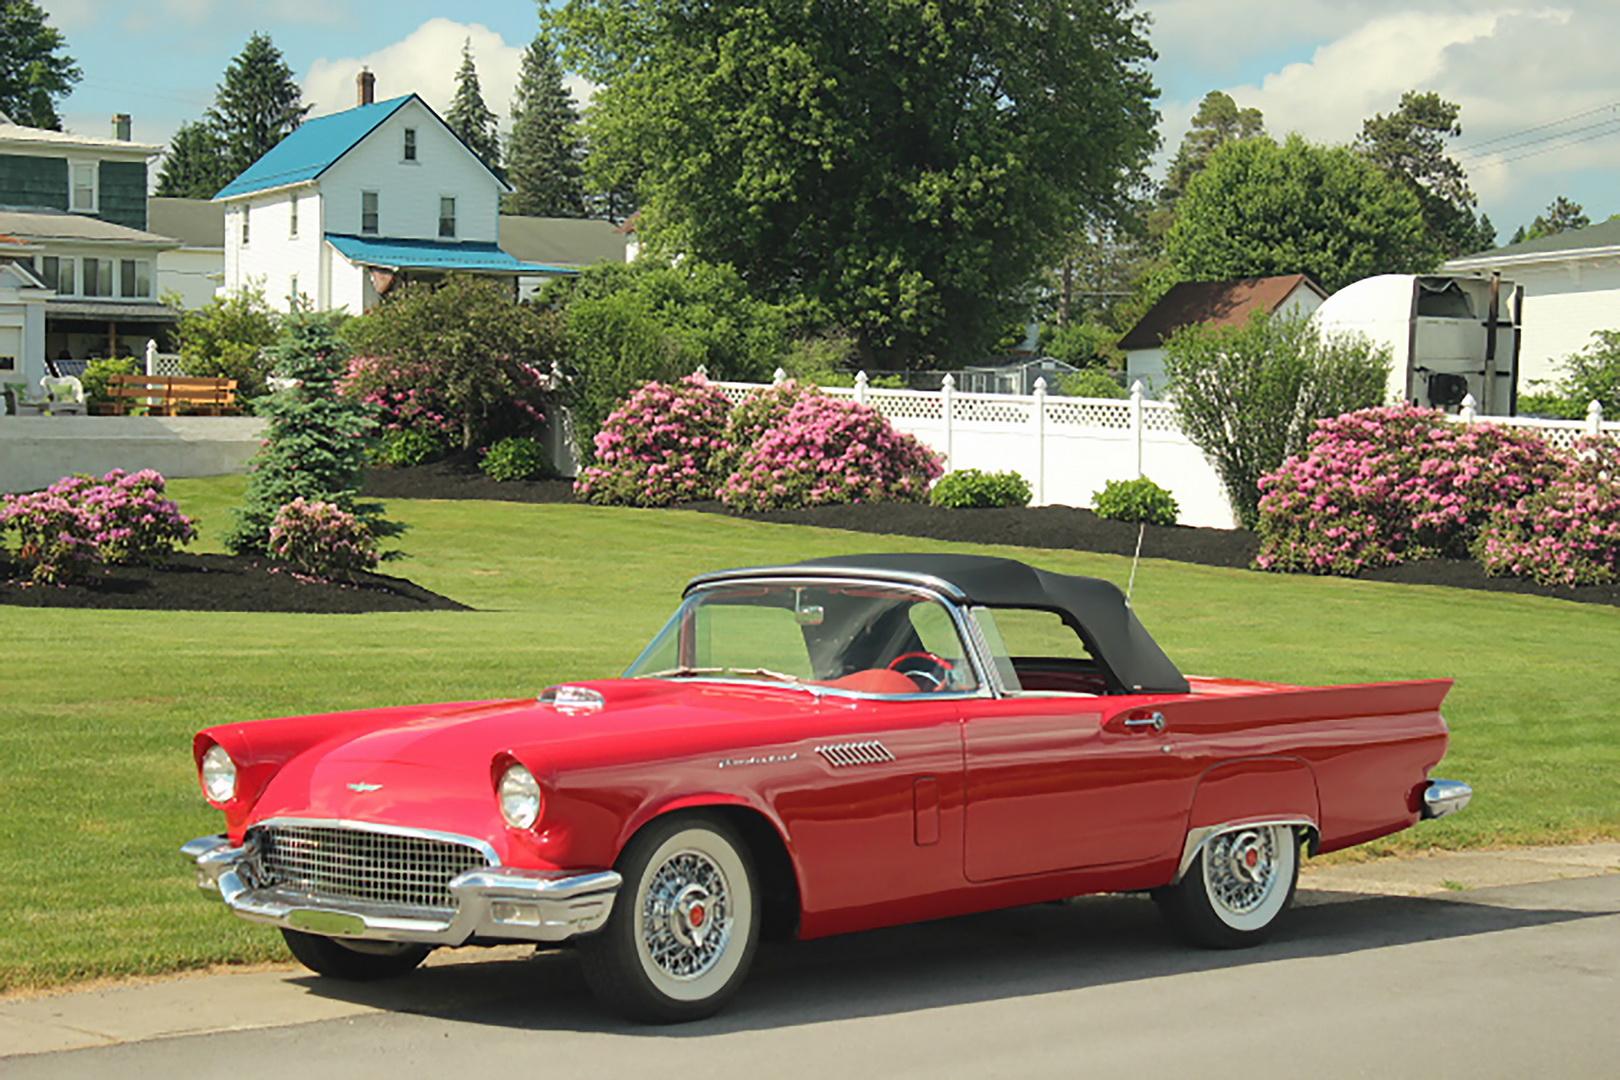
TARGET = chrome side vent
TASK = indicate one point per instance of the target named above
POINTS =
(841, 755)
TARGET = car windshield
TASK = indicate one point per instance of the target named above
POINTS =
(870, 639)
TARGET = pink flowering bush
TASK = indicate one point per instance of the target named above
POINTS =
(830, 450)
(404, 395)
(81, 521)
(1395, 484)
(761, 411)
(659, 446)
(322, 540)
(1566, 534)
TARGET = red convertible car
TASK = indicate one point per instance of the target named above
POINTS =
(808, 750)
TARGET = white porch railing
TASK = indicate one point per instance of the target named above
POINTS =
(161, 363)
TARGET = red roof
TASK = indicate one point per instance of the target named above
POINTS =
(1221, 303)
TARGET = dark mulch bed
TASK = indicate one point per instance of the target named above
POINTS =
(225, 583)
(1061, 527)
(461, 479)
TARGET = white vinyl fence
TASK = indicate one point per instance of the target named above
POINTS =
(1066, 447)
(1069, 447)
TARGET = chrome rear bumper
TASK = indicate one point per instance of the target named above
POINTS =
(496, 903)
(1442, 797)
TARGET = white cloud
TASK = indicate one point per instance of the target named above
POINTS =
(1508, 67)
(425, 62)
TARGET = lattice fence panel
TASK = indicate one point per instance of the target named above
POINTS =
(907, 404)
(1088, 413)
(991, 409)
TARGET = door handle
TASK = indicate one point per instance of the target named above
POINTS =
(1155, 721)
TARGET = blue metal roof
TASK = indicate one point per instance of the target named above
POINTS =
(445, 255)
(312, 149)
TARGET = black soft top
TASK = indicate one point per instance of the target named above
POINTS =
(1095, 609)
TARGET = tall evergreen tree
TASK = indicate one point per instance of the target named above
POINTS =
(1218, 121)
(1563, 214)
(257, 105)
(1410, 144)
(544, 151)
(469, 117)
(194, 167)
(34, 71)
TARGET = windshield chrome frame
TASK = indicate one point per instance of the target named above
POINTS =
(973, 647)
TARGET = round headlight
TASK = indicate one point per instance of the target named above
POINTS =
(520, 797)
(218, 775)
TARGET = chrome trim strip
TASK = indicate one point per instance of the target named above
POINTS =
(1442, 797)
(863, 752)
(494, 903)
(845, 573)
(1198, 837)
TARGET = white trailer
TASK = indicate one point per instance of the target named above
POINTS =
(1451, 335)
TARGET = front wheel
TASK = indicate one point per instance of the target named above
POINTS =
(359, 961)
(684, 926)
(1236, 887)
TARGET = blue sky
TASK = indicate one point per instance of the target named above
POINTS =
(1315, 66)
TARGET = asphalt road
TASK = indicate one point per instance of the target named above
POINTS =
(1516, 981)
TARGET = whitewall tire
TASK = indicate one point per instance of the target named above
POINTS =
(684, 925)
(1235, 889)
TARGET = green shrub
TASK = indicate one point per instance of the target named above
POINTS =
(514, 459)
(973, 488)
(1136, 500)
(1083, 344)
(408, 448)
(316, 442)
(228, 338)
(98, 376)
(1093, 383)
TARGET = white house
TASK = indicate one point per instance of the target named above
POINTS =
(195, 270)
(78, 202)
(1571, 286)
(22, 315)
(352, 204)
(1219, 303)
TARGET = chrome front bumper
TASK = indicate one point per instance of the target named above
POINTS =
(494, 903)
(1442, 797)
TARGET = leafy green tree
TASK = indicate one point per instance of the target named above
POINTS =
(1563, 214)
(629, 323)
(193, 167)
(1410, 144)
(544, 152)
(468, 344)
(256, 106)
(1083, 344)
(1260, 208)
(229, 338)
(469, 117)
(1218, 121)
(1248, 396)
(317, 440)
(910, 169)
(35, 72)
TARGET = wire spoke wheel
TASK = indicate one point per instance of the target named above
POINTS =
(1235, 888)
(686, 916)
(1240, 869)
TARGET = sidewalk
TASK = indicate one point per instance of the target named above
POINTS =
(280, 996)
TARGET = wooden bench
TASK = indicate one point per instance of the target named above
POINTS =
(169, 395)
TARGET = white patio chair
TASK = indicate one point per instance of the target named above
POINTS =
(64, 396)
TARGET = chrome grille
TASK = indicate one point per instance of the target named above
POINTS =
(358, 864)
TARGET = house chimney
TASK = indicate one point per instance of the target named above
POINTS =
(121, 126)
(365, 85)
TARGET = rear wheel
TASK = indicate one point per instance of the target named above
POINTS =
(684, 926)
(356, 961)
(1235, 889)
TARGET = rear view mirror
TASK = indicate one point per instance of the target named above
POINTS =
(810, 615)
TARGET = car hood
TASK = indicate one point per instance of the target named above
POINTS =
(438, 763)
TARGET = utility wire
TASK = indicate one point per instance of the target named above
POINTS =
(1613, 130)
(1471, 147)
(1555, 136)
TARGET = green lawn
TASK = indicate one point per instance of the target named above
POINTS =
(97, 709)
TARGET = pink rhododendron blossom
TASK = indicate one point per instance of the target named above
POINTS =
(660, 446)
(81, 521)
(321, 539)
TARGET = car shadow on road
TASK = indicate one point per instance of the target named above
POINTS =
(1090, 942)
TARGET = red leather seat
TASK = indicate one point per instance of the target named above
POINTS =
(873, 681)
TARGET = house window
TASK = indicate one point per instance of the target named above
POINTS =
(292, 217)
(84, 186)
(292, 290)
(135, 278)
(368, 213)
(98, 277)
(246, 231)
(447, 217)
(57, 273)
(410, 144)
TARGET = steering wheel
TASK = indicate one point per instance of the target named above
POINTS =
(928, 671)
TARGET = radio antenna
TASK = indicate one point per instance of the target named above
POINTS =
(1130, 585)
